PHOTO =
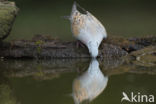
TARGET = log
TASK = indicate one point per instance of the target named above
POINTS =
(54, 48)
(43, 47)
(8, 12)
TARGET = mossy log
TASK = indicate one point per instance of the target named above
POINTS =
(45, 47)
(8, 12)
(53, 48)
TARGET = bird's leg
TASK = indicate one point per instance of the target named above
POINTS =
(78, 70)
(79, 44)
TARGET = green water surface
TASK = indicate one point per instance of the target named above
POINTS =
(57, 81)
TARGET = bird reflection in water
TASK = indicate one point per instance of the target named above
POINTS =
(90, 84)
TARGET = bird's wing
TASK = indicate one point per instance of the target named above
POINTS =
(96, 23)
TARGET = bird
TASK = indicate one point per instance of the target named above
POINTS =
(90, 84)
(87, 28)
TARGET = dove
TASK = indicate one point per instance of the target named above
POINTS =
(87, 29)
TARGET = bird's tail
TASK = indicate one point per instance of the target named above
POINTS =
(77, 7)
(74, 7)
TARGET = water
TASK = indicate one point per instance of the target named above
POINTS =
(67, 81)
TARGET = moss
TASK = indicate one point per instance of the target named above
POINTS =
(8, 12)
(39, 43)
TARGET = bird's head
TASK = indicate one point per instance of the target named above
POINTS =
(93, 49)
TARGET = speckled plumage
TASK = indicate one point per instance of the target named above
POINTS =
(87, 29)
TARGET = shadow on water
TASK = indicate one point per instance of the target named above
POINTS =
(73, 80)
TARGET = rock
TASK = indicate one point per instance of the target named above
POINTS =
(8, 12)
